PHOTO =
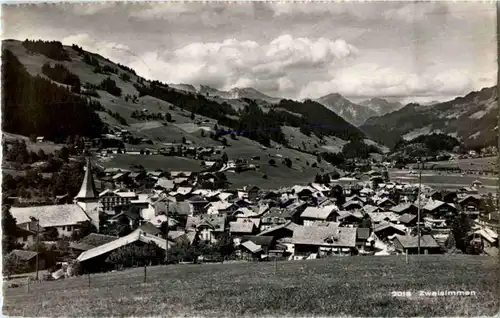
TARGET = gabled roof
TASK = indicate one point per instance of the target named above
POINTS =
(135, 236)
(406, 218)
(23, 255)
(288, 225)
(215, 222)
(320, 213)
(251, 246)
(325, 236)
(92, 240)
(165, 184)
(242, 226)
(434, 204)
(87, 190)
(371, 208)
(149, 228)
(385, 225)
(51, 215)
(402, 207)
(261, 240)
(470, 196)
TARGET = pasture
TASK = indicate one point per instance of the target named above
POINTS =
(353, 286)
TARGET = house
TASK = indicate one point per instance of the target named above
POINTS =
(323, 240)
(439, 209)
(467, 190)
(40, 139)
(110, 199)
(250, 251)
(450, 196)
(253, 193)
(129, 216)
(26, 237)
(409, 244)
(325, 213)
(94, 260)
(371, 208)
(65, 218)
(221, 207)
(209, 227)
(378, 217)
(487, 237)
(470, 203)
(267, 243)
(349, 218)
(280, 231)
(198, 203)
(90, 241)
(386, 204)
(28, 260)
(405, 208)
(384, 230)
(241, 227)
(408, 220)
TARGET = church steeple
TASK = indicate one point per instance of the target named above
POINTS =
(87, 191)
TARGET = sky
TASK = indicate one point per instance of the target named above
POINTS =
(407, 51)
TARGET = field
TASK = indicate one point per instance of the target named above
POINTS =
(353, 286)
(472, 164)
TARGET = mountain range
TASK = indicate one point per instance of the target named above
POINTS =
(471, 118)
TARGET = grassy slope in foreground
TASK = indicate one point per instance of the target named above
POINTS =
(354, 286)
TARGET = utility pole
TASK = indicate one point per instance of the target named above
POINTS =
(419, 203)
(166, 234)
(37, 242)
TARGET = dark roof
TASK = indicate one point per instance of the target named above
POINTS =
(363, 233)
(92, 240)
(23, 255)
(426, 241)
(259, 240)
(149, 228)
(406, 218)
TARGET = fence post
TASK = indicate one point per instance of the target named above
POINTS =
(28, 284)
(145, 274)
(275, 264)
(88, 276)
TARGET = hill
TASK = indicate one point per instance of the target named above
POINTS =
(351, 112)
(381, 106)
(237, 93)
(472, 119)
(366, 287)
(111, 98)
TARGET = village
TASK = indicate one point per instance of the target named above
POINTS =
(179, 215)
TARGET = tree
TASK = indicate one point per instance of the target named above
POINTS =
(85, 229)
(192, 116)
(12, 265)
(366, 222)
(288, 162)
(202, 132)
(224, 157)
(318, 178)
(183, 139)
(385, 175)
(272, 162)
(183, 251)
(224, 141)
(51, 234)
(9, 229)
(225, 246)
(41, 155)
(460, 227)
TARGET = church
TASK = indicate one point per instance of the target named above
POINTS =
(66, 218)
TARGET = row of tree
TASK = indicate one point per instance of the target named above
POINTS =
(51, 49)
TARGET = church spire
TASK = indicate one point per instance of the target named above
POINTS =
(87, 191)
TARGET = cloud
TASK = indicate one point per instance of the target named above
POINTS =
(367, 80)
(234, 63)
(91, 8)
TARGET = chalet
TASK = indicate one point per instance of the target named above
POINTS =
(409, 244)
(439, 209)
(28, 261)
(450, 196)
(323, 240)
(65, 218)
(198, 203)
(303, 193)
(26, 237)
(435, 195)
(371, 208)
(110, 199)
(386, 204)
(349, 218)
(487, 237)
(326, 213)
(265, 242)
(126, 217)
(280, 231)
(253, 193)
(40, 139)
(94, 260)
(384, 230)
(209, 227)
(241, 227)
(151, 229)
(250, 251)
(470, 203)
(467, 190)
(378, 217)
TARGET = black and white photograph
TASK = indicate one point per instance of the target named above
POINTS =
(250, 159)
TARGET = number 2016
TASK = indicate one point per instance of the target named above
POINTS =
(401, 294)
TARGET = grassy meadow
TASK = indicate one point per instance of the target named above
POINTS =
(352, 286)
